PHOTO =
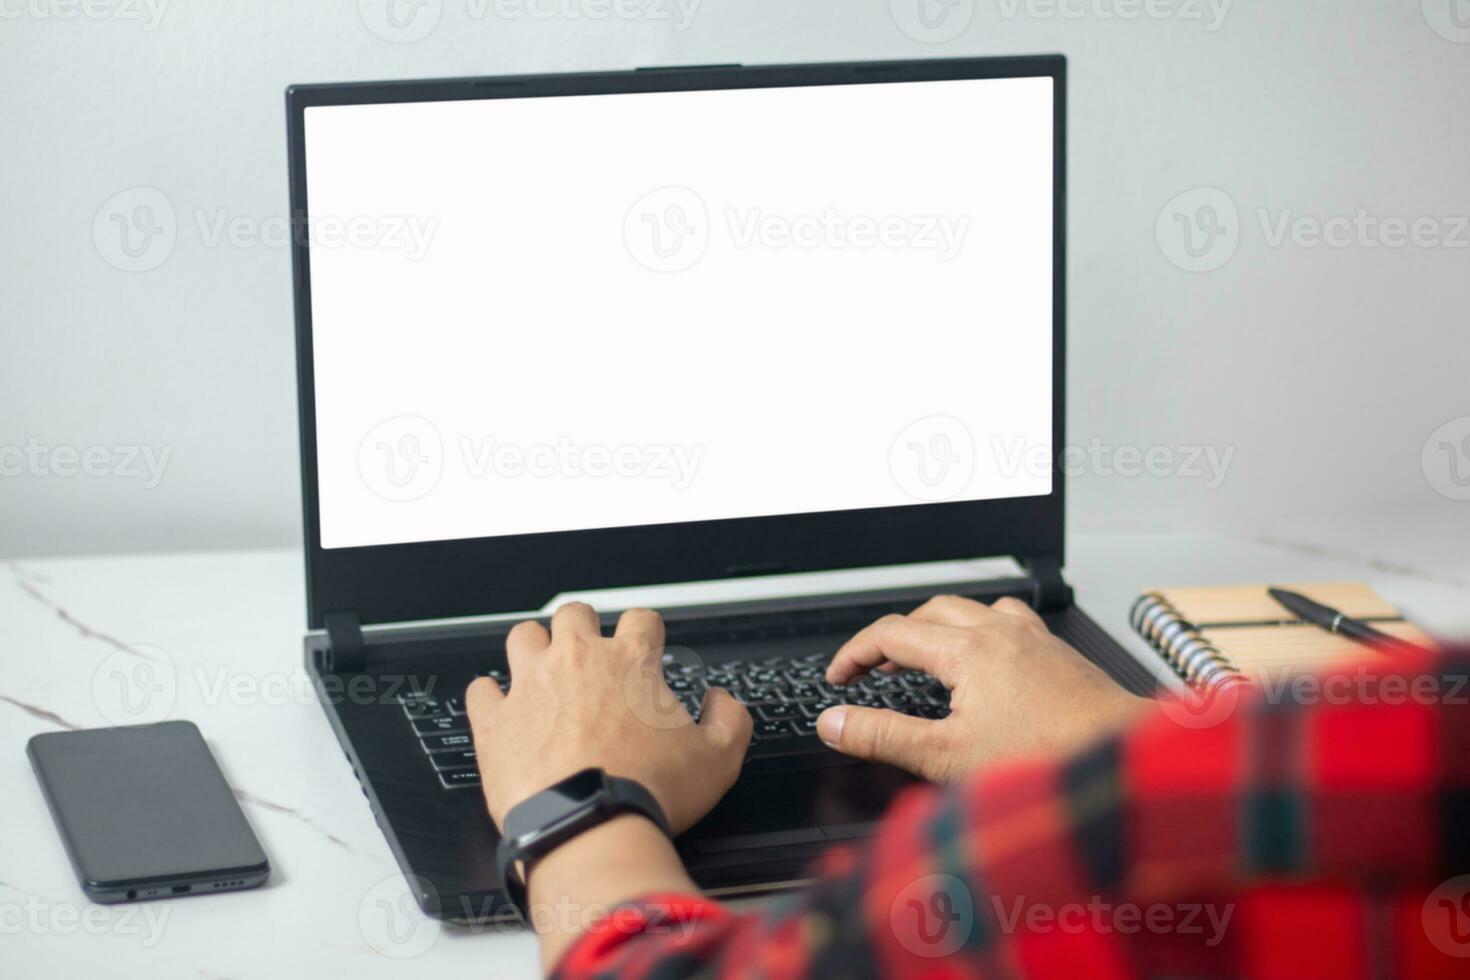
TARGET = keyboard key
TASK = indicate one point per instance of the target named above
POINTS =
(440, 726)
(453, 760)
(447, 743)
(778, 712)
(425, 708)
(791, 745)
(812, 709)
(771, 729)
(805, 726)
(455, 705)
(754, 694)
(899, 700)
(460, 778)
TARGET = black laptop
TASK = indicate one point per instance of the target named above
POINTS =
(560, 333)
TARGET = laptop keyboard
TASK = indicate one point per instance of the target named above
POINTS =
(784, 694)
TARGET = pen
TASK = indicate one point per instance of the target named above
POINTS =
(1334, 621)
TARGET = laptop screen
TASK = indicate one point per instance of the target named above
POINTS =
(561, 313)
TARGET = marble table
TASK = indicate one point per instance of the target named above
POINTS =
(221, 633)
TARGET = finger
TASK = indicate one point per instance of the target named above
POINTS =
(1012, 606)
(575, 619)
(907, 642)
(725, 721)
(525, 640)
(953, 610)
(482, 696)
(643, 627)
(880, 735)
(527, 637)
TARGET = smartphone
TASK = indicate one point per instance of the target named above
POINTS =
(144, 812)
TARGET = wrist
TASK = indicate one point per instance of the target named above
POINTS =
(574, 886)
(1095, 714)
(1122, 711)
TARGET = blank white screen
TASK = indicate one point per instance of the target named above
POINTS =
(484, 288)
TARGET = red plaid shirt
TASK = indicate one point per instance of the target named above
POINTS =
(1322, 830)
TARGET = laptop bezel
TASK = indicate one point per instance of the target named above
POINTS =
(482, 576)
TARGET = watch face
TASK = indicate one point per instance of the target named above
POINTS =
(554, 805)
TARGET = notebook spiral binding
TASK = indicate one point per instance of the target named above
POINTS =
(1179, 642)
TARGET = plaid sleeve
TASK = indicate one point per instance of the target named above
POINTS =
(1316, 828)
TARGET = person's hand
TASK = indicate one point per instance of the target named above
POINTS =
(578, 701)
(1015, 689)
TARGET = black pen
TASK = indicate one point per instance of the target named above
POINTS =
(1334, 621)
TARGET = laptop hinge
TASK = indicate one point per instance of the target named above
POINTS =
(1051, 591)
(347, 654)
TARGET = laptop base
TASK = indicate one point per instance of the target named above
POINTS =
(762, 836)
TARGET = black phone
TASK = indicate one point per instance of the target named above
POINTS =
(144, 812)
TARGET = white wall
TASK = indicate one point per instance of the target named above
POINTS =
(1325, 369)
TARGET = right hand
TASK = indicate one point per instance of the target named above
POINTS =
(1015, 689)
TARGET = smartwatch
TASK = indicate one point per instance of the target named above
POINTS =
(539, 824)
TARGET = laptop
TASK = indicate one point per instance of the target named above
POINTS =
(559, 333)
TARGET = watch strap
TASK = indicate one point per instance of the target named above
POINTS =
(617, 796)
(631, 796)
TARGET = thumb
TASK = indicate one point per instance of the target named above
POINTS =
(880, 735)
(724, 720)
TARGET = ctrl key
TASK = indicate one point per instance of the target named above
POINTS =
(459, 778)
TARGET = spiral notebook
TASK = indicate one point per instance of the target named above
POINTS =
(1212, 635)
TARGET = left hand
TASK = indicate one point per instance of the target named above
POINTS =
(578, 700)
